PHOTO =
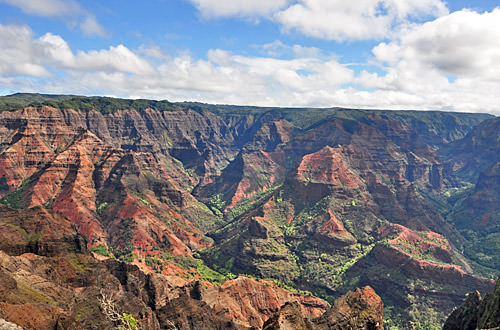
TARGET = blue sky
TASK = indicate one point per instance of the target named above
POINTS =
(391, 54)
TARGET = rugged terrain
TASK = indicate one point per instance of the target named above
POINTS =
(49, 280)
(318, 200)
(476, 312)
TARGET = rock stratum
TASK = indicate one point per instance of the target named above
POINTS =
(191, 215)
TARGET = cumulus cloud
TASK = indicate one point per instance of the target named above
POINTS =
(221, 8)
(22, 54)
(61, 8)
(355, 20)
(448, 63)
(17, 55)
(462, 43)
(333, 19)
(222, 77)
(47, 8)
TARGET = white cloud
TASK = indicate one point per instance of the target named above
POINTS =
(277, 49)
(354, 20)
(61, 8)
(333, 19)
(223, 77)
(22, 54)
(462, 43)
(17, 53)
(91, 27)
(218, 8)
(47, 8)
(413, 72)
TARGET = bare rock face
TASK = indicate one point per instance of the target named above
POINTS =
(48, 280)
(38, 231)
(321, 199)
(288, 318)
(250, 302)
(361, 309)
(103, 171)
(189, 311)
(9, 326)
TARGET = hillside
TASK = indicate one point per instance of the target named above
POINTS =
(476, 312)
(318, 200)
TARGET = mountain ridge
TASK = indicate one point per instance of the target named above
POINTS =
(322, 200)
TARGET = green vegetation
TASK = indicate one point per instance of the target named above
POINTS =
(20, 100)
(100, 249)
(127, 322)
(217, 204)
(30, 295)
(199, 267)
(124, 247)
(296, 243)
(484, 250)
(251, 203)
(16, 198)
(102, 104)
(126, 227)
(155, 263)
(102, 207)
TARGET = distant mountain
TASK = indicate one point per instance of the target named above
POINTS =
(318, 200)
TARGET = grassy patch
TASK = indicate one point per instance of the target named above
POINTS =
(31, 295)
(101, 250)
(16, 198)
(206, 273)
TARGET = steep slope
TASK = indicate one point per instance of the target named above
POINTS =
(317, 199)
(331, 210)
(49, 280)
(131, 201)
(475, 208)
(476, 312)
(361, 309)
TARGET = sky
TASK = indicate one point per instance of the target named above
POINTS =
(384, 54)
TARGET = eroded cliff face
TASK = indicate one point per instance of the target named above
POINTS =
(112, 176)
(361, 309)
(319, 199)
(49, 280)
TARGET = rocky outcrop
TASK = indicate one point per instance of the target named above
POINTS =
(78, 164)
(298, 195)
(38, 231)
(250, 302)
(413, 282)
(476, 312)
(361, 309)
(59, 285)
(465, 317)
(8, 325)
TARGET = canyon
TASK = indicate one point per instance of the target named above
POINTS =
(196, 216)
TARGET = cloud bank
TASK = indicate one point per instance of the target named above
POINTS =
(449, 63)
(333, 19)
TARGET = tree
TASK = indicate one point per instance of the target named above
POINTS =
(123, 321)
